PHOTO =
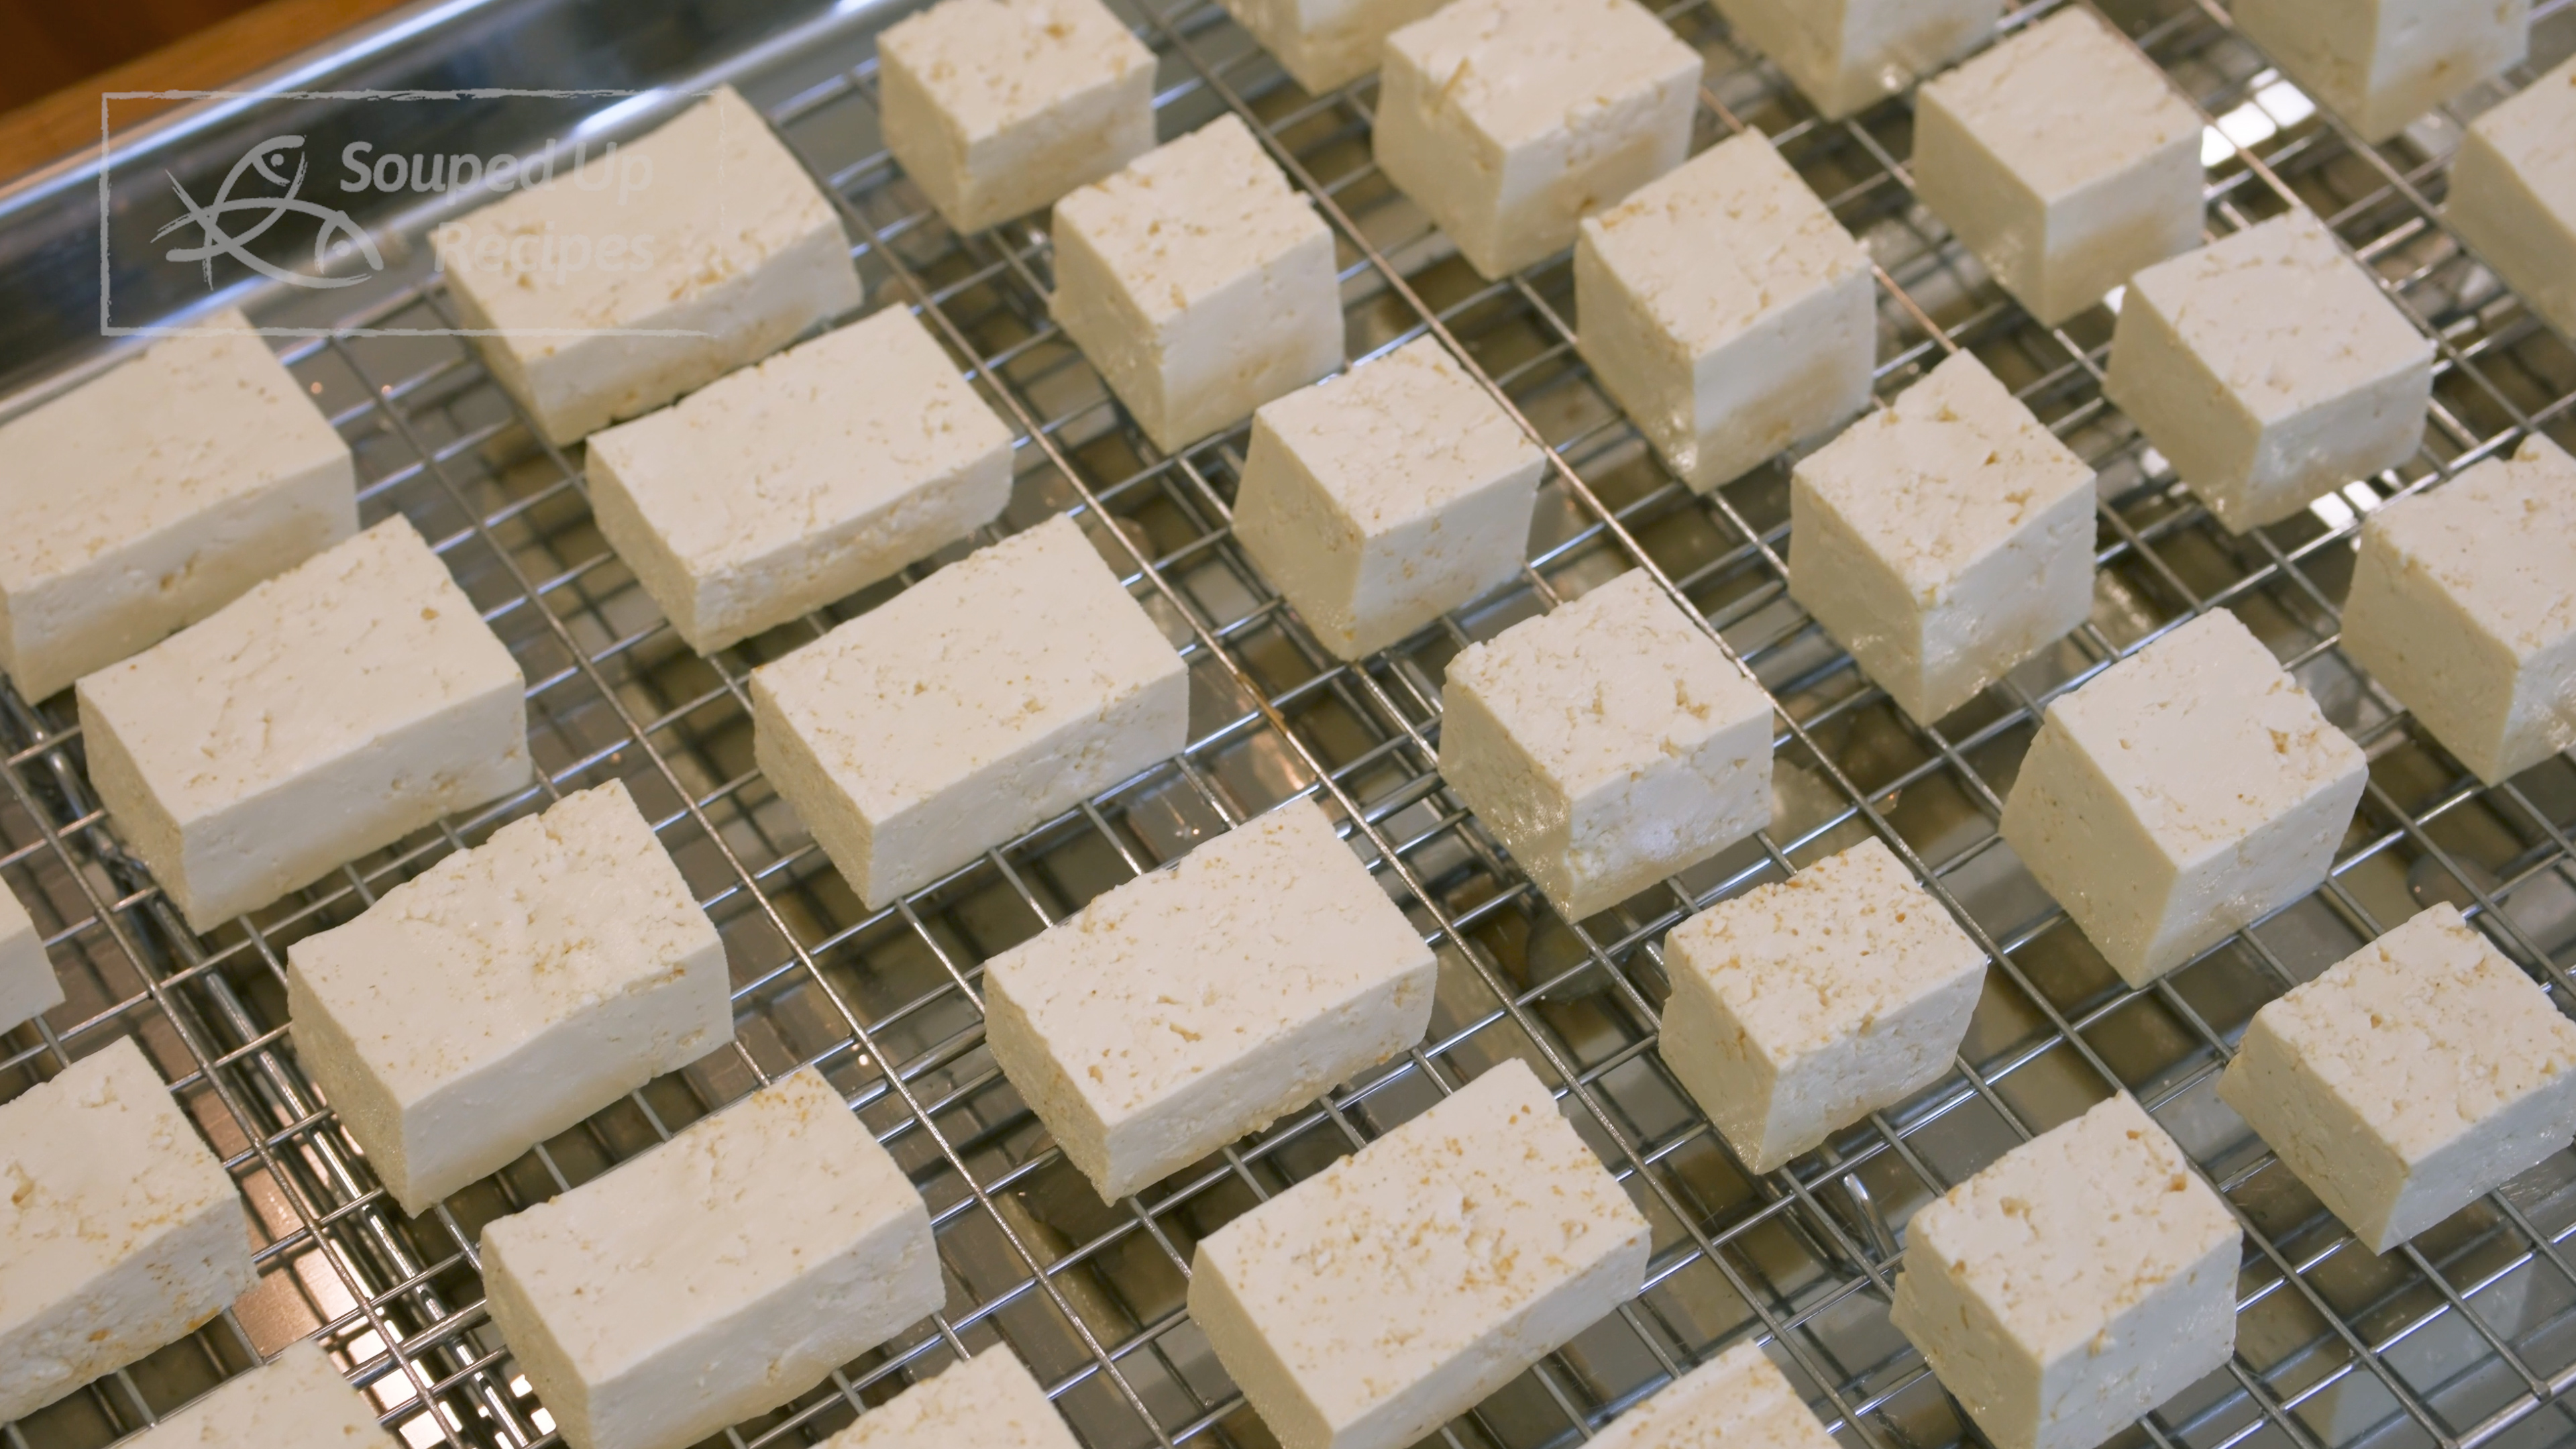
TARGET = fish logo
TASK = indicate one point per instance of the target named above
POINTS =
(267, 161)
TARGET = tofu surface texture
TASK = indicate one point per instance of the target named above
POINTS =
(297, 1401)
(987, 1402)
(2010, 151)
(1607, 744)
(507, 993)
(28, 985)
(2181, 795)
(1193, 1005)
(153, 495)
(1199, 283)
(708, 226)
(1727, 311)
(1848, 55)
(1509, 121)
(324, 714)
(1001, 691)
(1737, 1400)
(1382, 499)
(716, 1276)
(1325, 45)
(2381, 63)
(121, 1230)
(800, 480)
(2513, 194)
(2082, 1279)
(1392, 1291)
(1801, 1007)
(998, 107)
(1944, 539)
(2417, 1075)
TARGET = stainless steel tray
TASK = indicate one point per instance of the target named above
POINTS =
(2468, 1337)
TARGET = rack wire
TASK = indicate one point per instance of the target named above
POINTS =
(2465, 1338)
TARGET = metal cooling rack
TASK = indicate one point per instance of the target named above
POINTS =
(2466, 1338)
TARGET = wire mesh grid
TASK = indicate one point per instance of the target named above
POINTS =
(2466, 1337)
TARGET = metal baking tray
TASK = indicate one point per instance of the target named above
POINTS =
(2467, 1337)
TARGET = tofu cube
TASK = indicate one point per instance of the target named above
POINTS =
(2271, 369)
(2011, 152)
(1943, 540)
(782, 1240)
(1726, 311)
(609, 285)
(749, 503)
(2381, 63)
(328, 712)
(1193, 1005)
(28, 985)
(2181, 795)
(121, 1230)
(1389, 1293)
(507, 993)
(998, 107)
(987, 1402)
(1607, 745)
(1802, 1007)
(146, 499)
(298, 1401)
(1325, 45)
(993, 696)
(2085, 1277)
(2513, 195)
(1380, 500)
(2463, 604)
(1738, 1399)
(1199, 283)
(1848, 55)
(1509, 121)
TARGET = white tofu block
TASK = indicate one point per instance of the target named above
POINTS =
(328, 712)
(2181, 795)
(28, 985)
(2011, 152)
(120, 1231)
(1726, 311)
(2463, 604)
(1800, 1008)
(2381, 63)
(2271, 369)
(1193, 1005)
(1325, 45)
(616, 287)
(998, 107)
(2513, 195)
(1848, 55)
(1738, 1400)
(1389, 1293)
(151, 496)
(507, 993)
(1380, 500)
(993, 696)
(2416, 1076)
(987, 1402)
(2085, 1277)
(1199, 283)
(1509, 121)
(716, 1276)
(754, 500)
(1943, 540)
(299, 1401)
(1608, 744)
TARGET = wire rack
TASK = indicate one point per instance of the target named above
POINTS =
(2466, 1337)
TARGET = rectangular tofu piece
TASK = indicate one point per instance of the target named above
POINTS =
(1944, 539)
(2417, 1075)
(708, 232)
(1389, 1293)
(1727, 311)
(298, 1401)
(28, 985)
(1608, 744)
(326, 713)
(2083, 1278)
(1848, 55)
(119, 1232)
(1509, 121)
(747, 504)
(1325, 45)
(1801, 1007)
(2513, 195)
(2010, 151)
(2181, 795)
(1193, 1005)
(2381, 63)
(993, 696)
(153, 495)
(1199, 283)
(782, 1242)
(1738, 1399)
(987, 1402)
(508, 992)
